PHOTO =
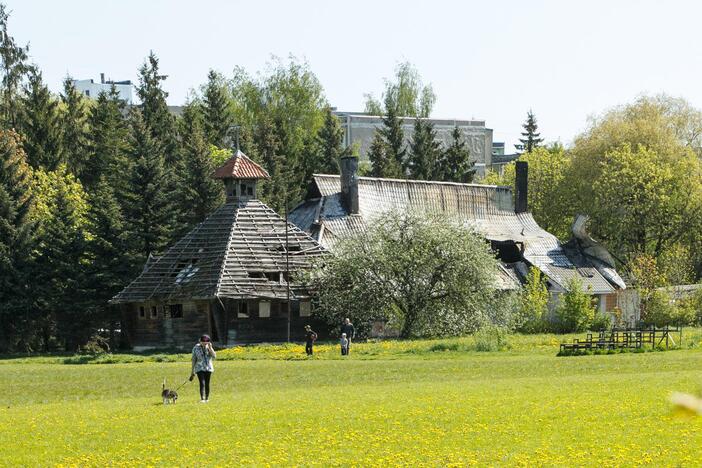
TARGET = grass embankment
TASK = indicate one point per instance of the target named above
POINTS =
(391, 403)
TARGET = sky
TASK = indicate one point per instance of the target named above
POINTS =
(487, 60)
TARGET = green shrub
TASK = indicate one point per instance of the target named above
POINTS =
(491, 338)
(660, 310)
(576, 311)
(533, 308)
(601, 322)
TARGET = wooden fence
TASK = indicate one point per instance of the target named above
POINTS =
(626, 338)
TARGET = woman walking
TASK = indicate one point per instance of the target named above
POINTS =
(203, 354)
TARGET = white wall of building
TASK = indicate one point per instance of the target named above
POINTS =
(92, 89)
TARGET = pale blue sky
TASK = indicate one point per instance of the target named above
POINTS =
(490, 60)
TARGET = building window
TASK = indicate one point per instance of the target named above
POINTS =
(154, 312)
(142, 312)
(175, 310)
(305, 308)
(243, 311)
(264, 309)
(87, 92)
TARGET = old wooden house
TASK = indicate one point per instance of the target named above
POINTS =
(344, 205)
(228, 277)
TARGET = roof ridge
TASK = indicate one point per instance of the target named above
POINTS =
(226, 250)
(414, 181)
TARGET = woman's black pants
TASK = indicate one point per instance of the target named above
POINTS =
(204, 378)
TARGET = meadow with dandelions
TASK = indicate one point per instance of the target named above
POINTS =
(427, 402)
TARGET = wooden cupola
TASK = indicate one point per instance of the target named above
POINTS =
(240, 175)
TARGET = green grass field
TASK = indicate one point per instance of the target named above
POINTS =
(435, 403)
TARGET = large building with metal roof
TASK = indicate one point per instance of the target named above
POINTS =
(338, 206)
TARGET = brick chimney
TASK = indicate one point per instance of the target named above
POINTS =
(349, 183)
(521, 187)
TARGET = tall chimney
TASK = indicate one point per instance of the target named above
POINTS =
(102, 78)
(521, 187)
(349, 183)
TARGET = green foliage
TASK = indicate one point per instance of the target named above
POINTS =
(436, 276)
(217, 110)
(455, 164)
(330, 144)
(17, 241)
(393, 136)
(75, 129)
(14, 71)
(59, 280)
(281, 114)
(531, 139)
(643, 204)
(491, 338)
(533, 312)
(154, 109)
(406, 95)
(108, 143)
(660, 310)
(575, 311)
(635, 173)
(549, 195)
(202, 193)
(40, 124)
(382, 164)
(425, 152)
(148, 205)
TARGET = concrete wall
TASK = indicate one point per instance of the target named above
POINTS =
(360, 128)
(93, 90)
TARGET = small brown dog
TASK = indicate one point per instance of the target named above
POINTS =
(169, 396)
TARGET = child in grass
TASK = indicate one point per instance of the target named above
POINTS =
(344, 345)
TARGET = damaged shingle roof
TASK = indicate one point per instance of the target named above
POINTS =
(237, 252)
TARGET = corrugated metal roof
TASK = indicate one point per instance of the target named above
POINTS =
(240, 166)
(488, 209)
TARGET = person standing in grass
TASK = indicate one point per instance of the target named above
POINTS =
(344, 342)
(310, 338)
(348, 328)
(203, 355)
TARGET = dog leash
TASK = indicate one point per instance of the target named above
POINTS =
(181, 385)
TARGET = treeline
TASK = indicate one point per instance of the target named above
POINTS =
(637, 172)
(90, 188)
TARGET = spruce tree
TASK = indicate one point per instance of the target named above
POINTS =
(278, 189)
(330, 144)
(148, 203)
(16, 244)
(14, 71)
(217, 109)
(530, 137)
(425, 151)
(59, 286)
(40, 124)
(383, 165)
(202, 193)
(107, 253)
(108, 143)
(154, 108)
(75, 128)
(455, 164)
(393, 135)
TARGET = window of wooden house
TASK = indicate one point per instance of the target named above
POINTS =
(154, 312)
(305, 308)
(264, 309)
(142, 312)
(175, 311)
(243, 311)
